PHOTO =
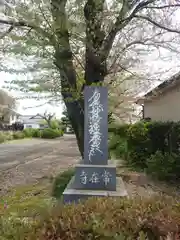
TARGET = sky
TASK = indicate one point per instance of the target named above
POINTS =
(28, 106)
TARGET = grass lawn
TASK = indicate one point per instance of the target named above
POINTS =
(31, 200)
(26, 201)
(21, 208)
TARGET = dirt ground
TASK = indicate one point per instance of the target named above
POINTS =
(36, 161)
(30, 162)
(139, 184)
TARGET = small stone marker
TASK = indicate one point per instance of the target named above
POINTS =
(94, 177)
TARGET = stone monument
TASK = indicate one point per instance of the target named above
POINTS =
(94, 176)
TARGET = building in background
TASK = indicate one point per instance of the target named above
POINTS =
(163, 102)
(9, 116)
(8, 106)
(32, 121)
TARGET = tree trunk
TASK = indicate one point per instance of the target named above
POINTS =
(95, 67)
(75, 108)
(48, 123)
(95, 70)
(75, 111)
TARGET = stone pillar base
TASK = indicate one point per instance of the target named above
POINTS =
(73, 195)
(95, 177)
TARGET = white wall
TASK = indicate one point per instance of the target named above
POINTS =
(12, 119)
(164, 108)
(31, 125)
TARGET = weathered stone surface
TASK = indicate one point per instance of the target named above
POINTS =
(72, 195)
(96, 125)
(95, 177)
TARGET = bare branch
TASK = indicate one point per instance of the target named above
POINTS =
(45, 18)
(63, 55)
(16, 24)
(120, 23)
(7, 32)
(159, 25)
(26, 25)
(162, 7)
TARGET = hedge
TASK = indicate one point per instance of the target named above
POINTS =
(151, 146)
(50, 133)
(118, 129)
(104, 219)
(47, 133)
(10, 135)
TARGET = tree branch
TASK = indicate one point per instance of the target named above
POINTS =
(140, 42)
(159, 25)
(162, 7)
(63, 53)
(7, 32)
(93, 14)
(120, 23)
(14, 24)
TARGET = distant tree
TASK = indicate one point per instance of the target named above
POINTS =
(65, 120)
(48, 118)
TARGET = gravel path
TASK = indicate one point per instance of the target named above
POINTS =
(27, 162)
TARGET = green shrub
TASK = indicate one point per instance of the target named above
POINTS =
(159, 135)
(119, 129)
(13, 228)
(54, 124)
(36, 133)
(118, 146)
(18, 135)
(154, 136)
(45, 133)
(114, 141)
(51, 133)
(150, 146)
(6, 136)
(61, 182)
(28, 132)
(2, 138)
(139, 144)
(32, 132)
(155, 146)
(111, 219)
(122, 149)
(164, 166)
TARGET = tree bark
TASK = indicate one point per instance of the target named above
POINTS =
(95, 67)
(64, 63)
(75, 111)
(95, 70)
(75, 107)
(48, 122)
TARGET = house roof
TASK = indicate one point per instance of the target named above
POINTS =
(170, 82)
(30, 119)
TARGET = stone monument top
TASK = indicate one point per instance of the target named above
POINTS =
(96, 125)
